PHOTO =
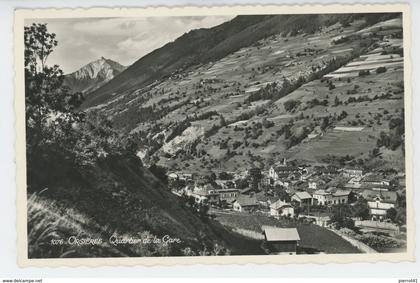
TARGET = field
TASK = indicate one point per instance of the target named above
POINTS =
(213, 124)
(312, 236)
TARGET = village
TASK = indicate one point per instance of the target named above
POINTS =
(364, 208)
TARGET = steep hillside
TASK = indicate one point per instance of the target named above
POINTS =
(118, 197)
(327, 97)
(206, 45)
(93, 75)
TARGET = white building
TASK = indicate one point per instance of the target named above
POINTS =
(322, 197)
(281, 208)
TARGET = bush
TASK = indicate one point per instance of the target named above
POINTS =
(267, 124)
(380, 70)
(291, 104)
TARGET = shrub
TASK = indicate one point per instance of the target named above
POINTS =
(291, 104)
(380, 70)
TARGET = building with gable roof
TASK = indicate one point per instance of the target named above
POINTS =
(245, 203)
(281, 208)
(302, 198)
(281, 241)
(379, 202)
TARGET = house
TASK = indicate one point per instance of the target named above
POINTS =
(379, 202)
(281, 241)
(340, 196)
(281, 208)
(266, 181)
(204, 193)
(174, 183)
(302, 198)
(374, 180)
(321, 218)
(368, 186)
(265, 200)
(247, 191)
(353, 172)
(331, 196)
(329, 171)
(279, 172)
(245, 203)
(312, 185)
(227, 195)
(352, 185)
(186, 176)
(173, 176)
(225, 184)
(322, 197)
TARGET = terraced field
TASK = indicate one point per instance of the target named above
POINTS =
(212, 120)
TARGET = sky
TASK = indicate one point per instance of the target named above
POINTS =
(124, 40)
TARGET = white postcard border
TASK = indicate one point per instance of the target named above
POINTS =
(21, 200)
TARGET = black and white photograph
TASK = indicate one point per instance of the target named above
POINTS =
(200, 135)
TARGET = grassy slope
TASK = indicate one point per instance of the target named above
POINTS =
(120, 196)
(312, 236)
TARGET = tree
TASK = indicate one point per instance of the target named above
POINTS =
(337, 101)
(341, 216)
(222, 121)
(59, 138)
(325, 123)
(159, 172)
(225, 176)
(49, 106)
(392, 214)
(45, 97)
(361, 209)
(380, 70)
(291, 104)
(266, 123)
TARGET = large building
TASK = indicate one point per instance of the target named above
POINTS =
(277, 173)
(353, 172)
(379, 202)
(330, 197)
(322, 197)
(204, 193)
(227, 195)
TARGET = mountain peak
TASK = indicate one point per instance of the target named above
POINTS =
(93, 75)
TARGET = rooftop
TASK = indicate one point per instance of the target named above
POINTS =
(385, 196)
(279, 204)
(374, 178)
(275, 234)
(321, 192)
(303, 195)
(247, 201)
(283, 168)
(341, 193)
